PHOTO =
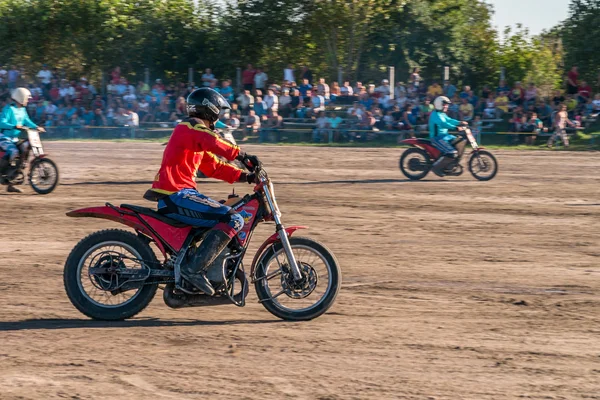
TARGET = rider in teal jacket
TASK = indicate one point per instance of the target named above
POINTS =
(439, 124)
(14, 116)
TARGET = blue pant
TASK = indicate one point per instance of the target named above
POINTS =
(195, 209)
(10, 149)
(444, 144)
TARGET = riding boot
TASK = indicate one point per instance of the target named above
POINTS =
(4, 164)
(194, 271)
(440, 165)
(12, 189)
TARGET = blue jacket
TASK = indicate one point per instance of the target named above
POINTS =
(12, 116)
(439, 123)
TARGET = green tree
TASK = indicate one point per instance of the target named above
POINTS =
(581, 37)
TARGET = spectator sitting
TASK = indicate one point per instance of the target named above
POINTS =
(180, 110)
(490, 110)
(346, 89)
(544, 111)
(400, 90)
(271, 102)
(425, 110)
(322, 129)
(334, 123)
(534, 125)
(485, 92)
(130, 97)
(466, 110)
(517, 94)
(585, 92)
(323, 89)
(285, 100)
(435, 90)
(317, 104)
(502, 104)
(99, 118)
(502, 88)
(296, 102)
(465, 93)
(143, 109)
(383, 89)
(233, 121)
(305, 88)
(226, 90)
(596, 104)
(335, 91)
(260, 108)
(251, 125)
(366, 101)
(449, 89)
(531, 94)
(246, 101)
(272, 126)
(558, 99)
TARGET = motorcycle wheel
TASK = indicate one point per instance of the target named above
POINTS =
(411, 162)
(95, 294)
(43, 175)
(284, 298)
(483, 165)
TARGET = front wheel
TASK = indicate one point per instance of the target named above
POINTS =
(95, 278)
(298, 301)
(483, 165)
(415, 164)
(43, 175)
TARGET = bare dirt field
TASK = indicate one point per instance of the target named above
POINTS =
(452, 288)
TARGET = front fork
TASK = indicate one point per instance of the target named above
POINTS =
(287, 247)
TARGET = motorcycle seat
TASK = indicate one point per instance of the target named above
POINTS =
(154, 214)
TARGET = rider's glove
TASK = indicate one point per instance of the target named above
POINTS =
(250, 178)
(250, 162)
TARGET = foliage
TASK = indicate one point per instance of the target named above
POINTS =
(360, 37)
(581, 37)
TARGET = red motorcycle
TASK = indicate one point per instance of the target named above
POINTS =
(416, 162)
(114, 274)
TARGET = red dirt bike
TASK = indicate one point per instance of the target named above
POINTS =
(114, 274)
(43, 172)
(416, 162)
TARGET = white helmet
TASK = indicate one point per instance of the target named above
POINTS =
(21, 96)
(440, 101)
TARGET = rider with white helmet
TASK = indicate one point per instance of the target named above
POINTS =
(14, 117)
(439, 124)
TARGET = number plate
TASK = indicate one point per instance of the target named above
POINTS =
(34, 138)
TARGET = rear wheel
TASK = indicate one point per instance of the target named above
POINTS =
(43, 175)
(304, 300)
(94, 275)
(415, 164)
(483, 165)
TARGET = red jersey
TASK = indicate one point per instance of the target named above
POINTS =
(193, 146)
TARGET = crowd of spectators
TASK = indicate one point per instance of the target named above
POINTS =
(266, 103)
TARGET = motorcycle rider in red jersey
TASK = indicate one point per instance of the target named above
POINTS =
(192, 146)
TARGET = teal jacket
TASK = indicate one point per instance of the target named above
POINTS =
(10, 117)
(439, 123)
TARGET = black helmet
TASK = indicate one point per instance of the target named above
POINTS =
(206, 103)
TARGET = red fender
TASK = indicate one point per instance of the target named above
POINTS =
(272, 239)
(172, 235)
(427, 147)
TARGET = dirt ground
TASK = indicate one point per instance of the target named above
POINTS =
(452, 288)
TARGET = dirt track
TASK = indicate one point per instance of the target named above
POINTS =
(453, 289)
